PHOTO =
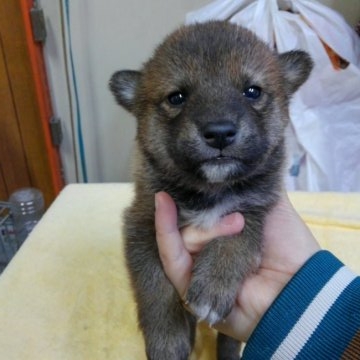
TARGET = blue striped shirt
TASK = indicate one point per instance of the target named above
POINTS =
(316, 316)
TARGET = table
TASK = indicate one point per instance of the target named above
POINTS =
(65, 295)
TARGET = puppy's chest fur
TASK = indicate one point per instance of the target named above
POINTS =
(205, 211)
(207, 217)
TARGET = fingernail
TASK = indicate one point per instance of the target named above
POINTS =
(232, 219)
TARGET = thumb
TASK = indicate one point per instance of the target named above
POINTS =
(176, 260)
(196, 238)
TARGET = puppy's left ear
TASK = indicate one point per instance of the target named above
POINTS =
(296, 67)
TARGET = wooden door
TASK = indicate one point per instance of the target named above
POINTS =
(27, 156)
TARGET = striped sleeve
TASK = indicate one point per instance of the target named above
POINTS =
(316, 316)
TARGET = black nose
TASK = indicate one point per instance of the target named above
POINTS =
(219, 134)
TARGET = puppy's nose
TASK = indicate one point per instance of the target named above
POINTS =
(219, 134)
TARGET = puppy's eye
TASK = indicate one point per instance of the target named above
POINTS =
(252, 92)
(177, 98)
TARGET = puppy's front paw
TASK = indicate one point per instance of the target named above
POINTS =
(209, 300)
(219, 270)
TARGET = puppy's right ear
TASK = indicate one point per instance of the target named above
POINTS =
(123, 84)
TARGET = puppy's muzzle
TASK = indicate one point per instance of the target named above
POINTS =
(219, 134)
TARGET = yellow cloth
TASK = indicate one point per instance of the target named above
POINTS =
(66, 295)
(334, 219)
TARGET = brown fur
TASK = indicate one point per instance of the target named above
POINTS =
(211, 108)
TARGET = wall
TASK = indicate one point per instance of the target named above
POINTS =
(106, 36)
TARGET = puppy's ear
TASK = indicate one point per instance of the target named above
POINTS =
(123, 85)
(296, 67)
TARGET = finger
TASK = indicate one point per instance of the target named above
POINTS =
(195, 238)
(176, 260)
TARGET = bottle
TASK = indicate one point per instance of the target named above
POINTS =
(27, 206)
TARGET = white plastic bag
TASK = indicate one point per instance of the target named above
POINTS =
(324, 136)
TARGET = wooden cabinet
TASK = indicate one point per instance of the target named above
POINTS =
(27, 156)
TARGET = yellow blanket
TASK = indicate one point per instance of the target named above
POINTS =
(66, 295)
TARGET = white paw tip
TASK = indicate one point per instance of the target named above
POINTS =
(204, 313)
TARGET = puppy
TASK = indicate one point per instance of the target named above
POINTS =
(211, 107)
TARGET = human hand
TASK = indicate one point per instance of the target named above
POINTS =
(287, 244)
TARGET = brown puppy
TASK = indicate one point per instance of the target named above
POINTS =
(211, 108)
